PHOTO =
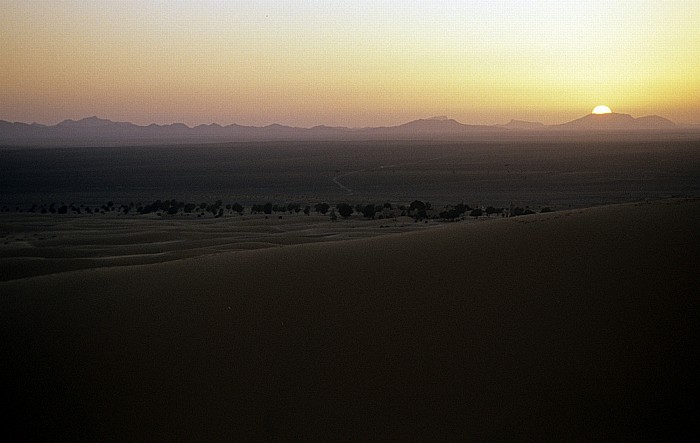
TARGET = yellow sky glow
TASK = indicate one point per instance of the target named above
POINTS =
(347, 63)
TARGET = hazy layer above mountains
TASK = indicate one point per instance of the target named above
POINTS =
(101, 131)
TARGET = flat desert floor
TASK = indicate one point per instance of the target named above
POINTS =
(533, 171)
(573, 325)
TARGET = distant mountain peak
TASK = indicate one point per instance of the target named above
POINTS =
(431, 123)
(610, 115)
(656, 121)
(432, 127)
(439, 118)
(617, 121)
(87, 122)
(522, 124)
(277, 126)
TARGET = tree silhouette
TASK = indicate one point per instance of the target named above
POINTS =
(417, 205)
(344, 209)
(491, 210)
(322, 208)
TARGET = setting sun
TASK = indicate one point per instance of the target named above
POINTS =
(602, 109)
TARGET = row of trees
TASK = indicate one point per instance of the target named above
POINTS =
(269, 208)
(417, 209)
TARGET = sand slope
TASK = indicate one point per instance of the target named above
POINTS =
(577, 325)
(38, 244)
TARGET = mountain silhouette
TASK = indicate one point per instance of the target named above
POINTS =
(615, 121)
(98, 131)
(437, 126)
(523, 125)
(92, 122)
(656, 122)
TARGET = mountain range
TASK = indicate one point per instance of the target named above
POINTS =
(615, 121)
(94, 130)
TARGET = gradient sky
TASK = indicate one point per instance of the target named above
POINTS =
(361, 63)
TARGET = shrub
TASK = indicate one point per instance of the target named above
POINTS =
(369, 211)
(462, 208)
(417, 205)
(450, 214)
(344, 209)
(322, 208)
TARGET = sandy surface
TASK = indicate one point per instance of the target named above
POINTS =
(579, 325)
(37, 244)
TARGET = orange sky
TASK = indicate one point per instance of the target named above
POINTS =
(347, 63)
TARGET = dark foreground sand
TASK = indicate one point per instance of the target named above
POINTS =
(579, 325)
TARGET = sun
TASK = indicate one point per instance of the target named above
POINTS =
(602, 109)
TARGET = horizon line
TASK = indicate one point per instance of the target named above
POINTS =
(274, 123)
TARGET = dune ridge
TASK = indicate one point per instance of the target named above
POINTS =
(575, 325)
(38, 244)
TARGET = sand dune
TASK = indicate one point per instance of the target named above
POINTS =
(37, 244)
(579, 325)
